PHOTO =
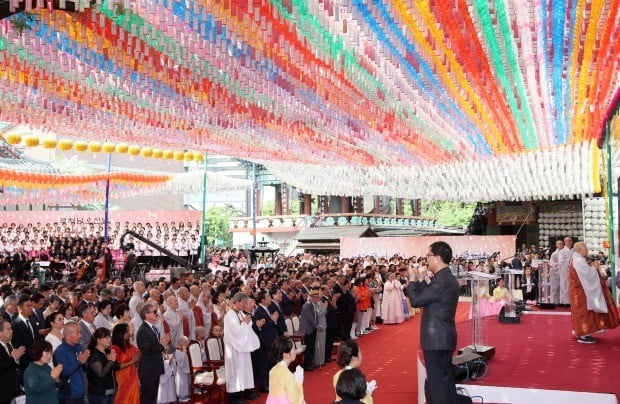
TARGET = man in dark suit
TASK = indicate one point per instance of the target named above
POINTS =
(439, 298)
(9, 311)
(267, 331)
(308, 325)
(151, 345)
(276, 306)
(345, 306)
(9, 360)
(25, 332)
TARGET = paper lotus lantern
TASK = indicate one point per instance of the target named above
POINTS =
(49, 143)
(198, 157)
(31, 140)
(188, 156)
(14, 139)
(134, 150)
(158, 153)
(94, 147)
(108, 147)
(146, 152)
(168, 154)
(178, 155)
(65, 144)
(80, 146)
(122, 148)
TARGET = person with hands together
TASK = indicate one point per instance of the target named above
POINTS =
(128, 356)
(151, 346)
(101, 366)
(284, 386)
(72, 388)
(9, 361)
(39, 379)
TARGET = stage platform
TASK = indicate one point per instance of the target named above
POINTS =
(538, 361)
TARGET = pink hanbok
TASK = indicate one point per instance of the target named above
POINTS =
(392, 304)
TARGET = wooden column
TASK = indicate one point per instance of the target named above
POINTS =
(286, 199)
(278, 201)
(400, 206)
(344, 204)
(307, 204)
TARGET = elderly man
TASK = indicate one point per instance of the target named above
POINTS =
(72, 356)
(138, 290)
(565, 256)
(309, 325)
(554, 273)
(239, 341)
(592, 307)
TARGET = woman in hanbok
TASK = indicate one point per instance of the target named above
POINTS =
(392, 307)
(284, 386)
(350, 357)
(127, 355)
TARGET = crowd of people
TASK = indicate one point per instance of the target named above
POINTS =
(113, 337)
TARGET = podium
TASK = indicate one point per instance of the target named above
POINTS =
(544, 284)
(479, 282)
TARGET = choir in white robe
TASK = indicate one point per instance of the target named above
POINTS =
(239, 341)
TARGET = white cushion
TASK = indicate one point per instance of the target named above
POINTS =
(204, 378)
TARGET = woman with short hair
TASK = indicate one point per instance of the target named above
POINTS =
(39, 379)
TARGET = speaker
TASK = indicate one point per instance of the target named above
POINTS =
(469, 366)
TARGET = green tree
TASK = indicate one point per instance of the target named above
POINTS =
(268, 208)
(449, 213)
(216, 223)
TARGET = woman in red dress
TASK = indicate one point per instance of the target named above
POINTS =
(127, 355)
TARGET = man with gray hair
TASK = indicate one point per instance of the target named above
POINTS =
(239, 341)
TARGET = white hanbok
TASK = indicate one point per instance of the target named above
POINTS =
(166, 392)
(182, 374)
(239, 341)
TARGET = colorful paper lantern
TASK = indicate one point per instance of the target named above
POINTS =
(13, 139)
(122, 148)
(49, 143)
(80, 146)
(158, 153)
(65, 144)
(188, 156)
(108, 147)
(134, 150)
(198, 157)
(31, 140)
(146, 152)
(94, 147)
(168, 154)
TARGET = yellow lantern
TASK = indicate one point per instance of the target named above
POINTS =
(188, 156)
(14, 138)
(168, 154)
(158, 153)
(80, 146)
(122, 148)
(146, 152)
(49, 143)
(198, 157)
(31, 140)
(134, 150)
(94, 147)
(108, 147)
(178, 155)
(65, 144)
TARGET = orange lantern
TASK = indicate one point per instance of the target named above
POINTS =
(146, 152)
(158, 153)
(80, 146)
(178, 155)
(108, 147)
(94, 147)
(122, 148)
(188, 156)
(198, 157)
(168, 154)
(65, 144)
(49, 143)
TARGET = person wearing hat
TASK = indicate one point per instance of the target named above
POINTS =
(308, 324)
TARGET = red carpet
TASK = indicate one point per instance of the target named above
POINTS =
(541, 353)
(388, 356)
